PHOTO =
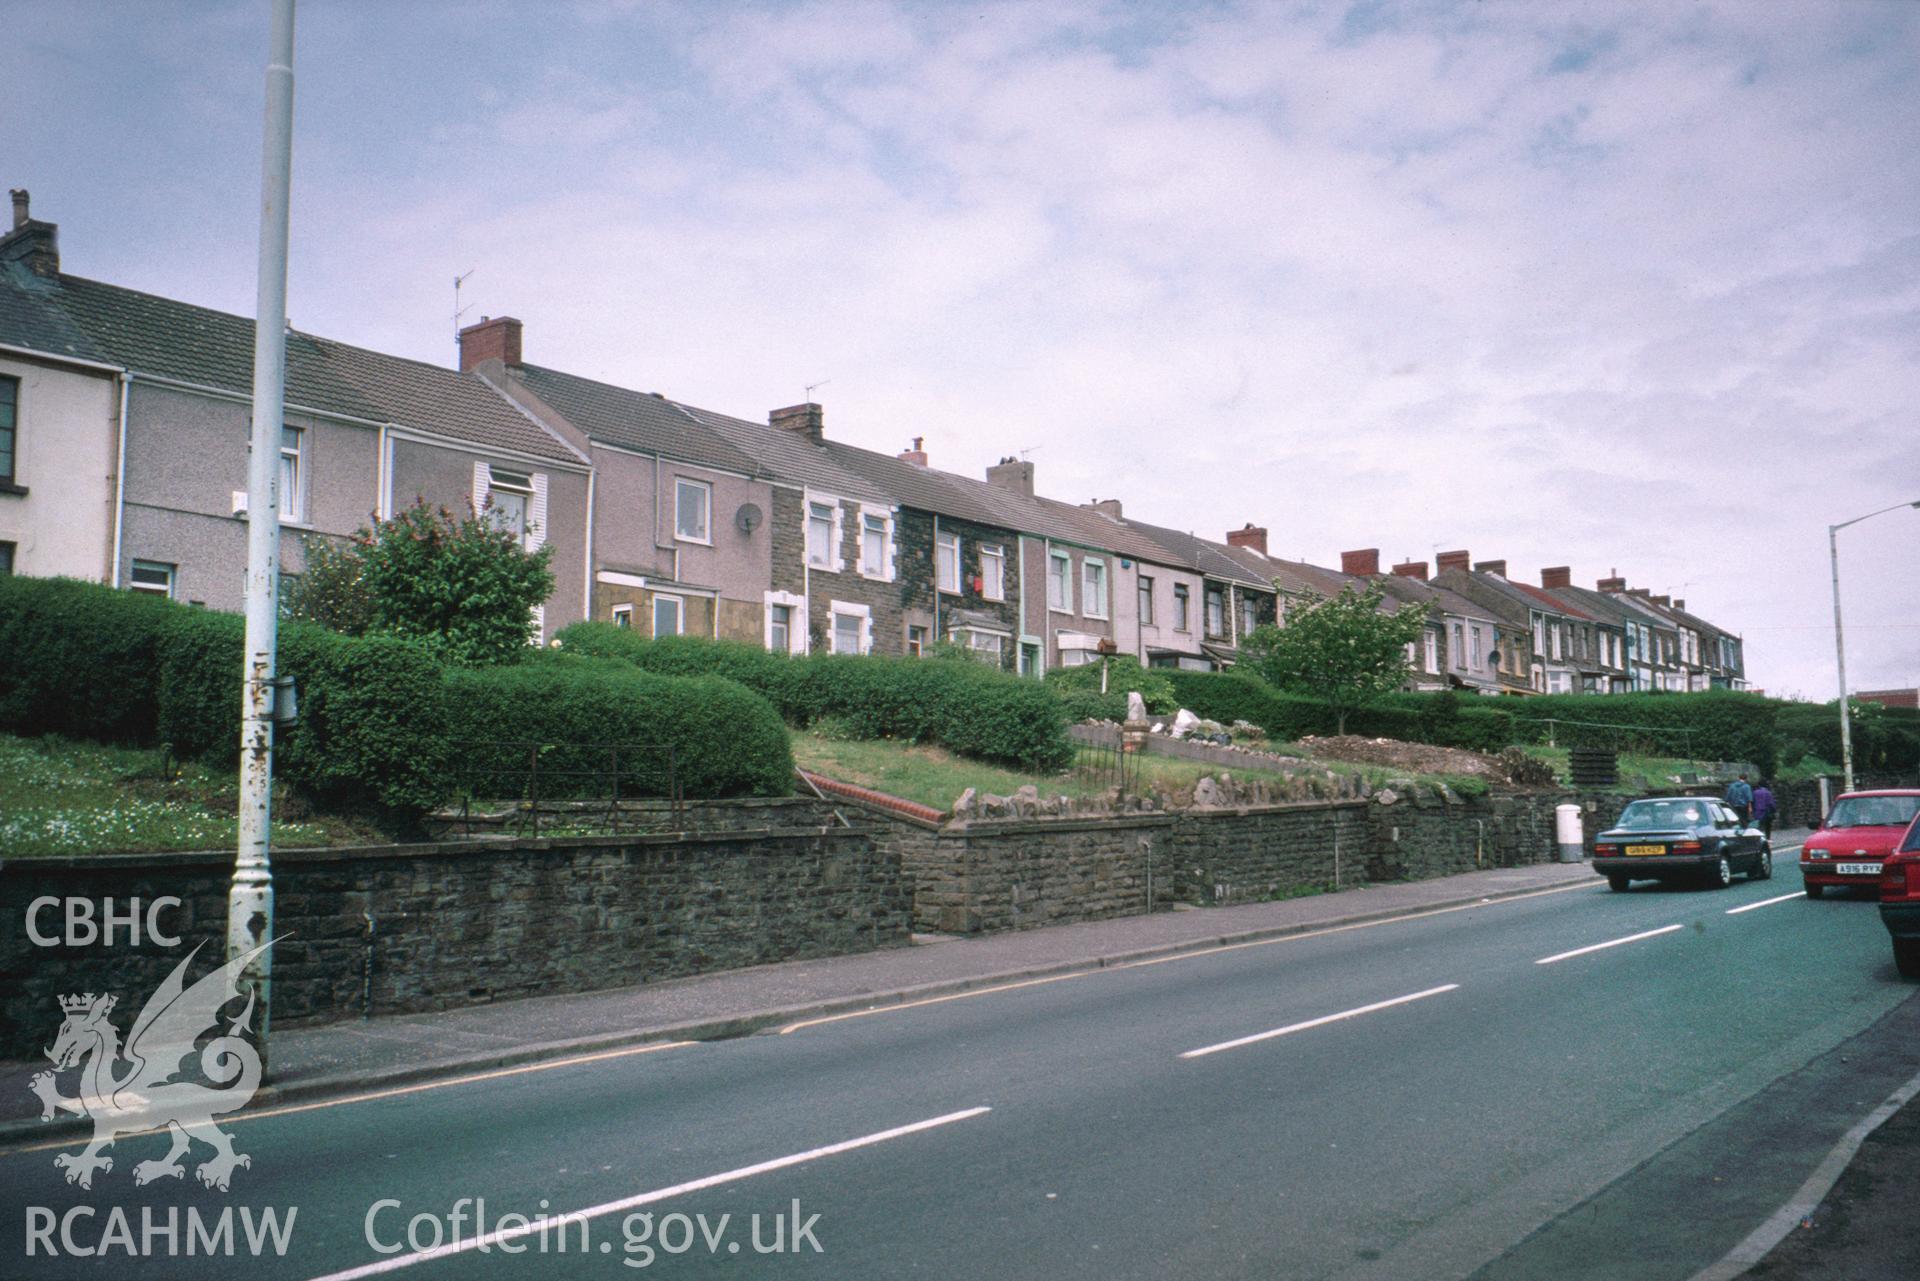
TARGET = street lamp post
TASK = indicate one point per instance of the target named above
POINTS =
(1839, 639)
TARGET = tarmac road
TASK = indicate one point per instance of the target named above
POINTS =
(1417, 1098)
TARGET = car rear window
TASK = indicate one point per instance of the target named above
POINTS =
(1649, 816)
(1873, 811)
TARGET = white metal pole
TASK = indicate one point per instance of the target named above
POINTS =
(250, 900)
(1840, 652)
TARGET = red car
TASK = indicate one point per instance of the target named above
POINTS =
(1900, 902)
(1860, 831)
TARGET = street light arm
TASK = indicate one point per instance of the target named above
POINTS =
(1870, 515)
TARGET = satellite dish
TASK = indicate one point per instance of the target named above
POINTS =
(748, 518)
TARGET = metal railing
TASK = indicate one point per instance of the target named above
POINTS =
(524, 785)
(1104, 767)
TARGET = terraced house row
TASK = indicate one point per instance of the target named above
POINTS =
(123, 458)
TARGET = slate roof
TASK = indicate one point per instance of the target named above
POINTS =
(631, 419)
(166, 338)
(1553, 602)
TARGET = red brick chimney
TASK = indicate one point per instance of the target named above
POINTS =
(1490, 567)
(1644, 593)
(917, 455)
(1364, 563)
(494, 338)
(1663, 600)
(1250, 536)
(1412, 569)
(1615, 585)
(1558, 576)
(1451, 560)
(1012, 473)
(809, 420)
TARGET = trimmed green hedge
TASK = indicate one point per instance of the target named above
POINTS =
(80, 660)
(1725, 725)
(967, 707)
(726, 740)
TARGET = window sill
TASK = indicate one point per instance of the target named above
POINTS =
(8, 487)
(697, 542)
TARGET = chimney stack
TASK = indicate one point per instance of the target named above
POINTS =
(1012, 473)
(1679, 604)
(1644, 593)
(1558, 576)
(1614, 585)
(494, 338)
(1105, 506)
(1364, 563)
(1451, 560)
(1663, 600)
(35, 245)
(1250, 536)
(1490, 567)
(917, 455)
(808, 420)
(1412, 569)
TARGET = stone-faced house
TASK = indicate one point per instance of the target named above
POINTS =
(1514, 613)
(1458, 649)
(1653, 642)
(678, 541)
(1603, 659)
(364, 434)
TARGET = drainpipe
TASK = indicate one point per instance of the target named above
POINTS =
(586, 600)
(120, 477)
(936, 578)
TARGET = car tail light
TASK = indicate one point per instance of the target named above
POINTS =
(1900, 878)
(1606, 849)
(1686, 847)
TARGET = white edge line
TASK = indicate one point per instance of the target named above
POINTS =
(1319, 1022)
(549, 1222)
(1765, 902)
(1601, 947)
(1771, 1233)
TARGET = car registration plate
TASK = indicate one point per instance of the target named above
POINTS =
(1646, 849)
(1857, 869)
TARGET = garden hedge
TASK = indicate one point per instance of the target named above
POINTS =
(725, 739)
(965, 706)
(80, 660)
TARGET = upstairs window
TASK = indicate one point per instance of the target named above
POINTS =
(1093, 587)
(508, 493)
(293, 505)
(1180, 604)
(876, 551)
(1060, 582)
(1146, 600)
(1248, 618)
(993, 573)
(820, 535)
(946, 562)
(692, 510)
(9, 427)
(1216, 603)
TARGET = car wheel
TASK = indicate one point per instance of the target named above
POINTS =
(1815, 891)
(1762, 867)
(1618, 883)
(1906, 956)
(1720, 874)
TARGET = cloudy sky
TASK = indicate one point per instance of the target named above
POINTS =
(1615, 285)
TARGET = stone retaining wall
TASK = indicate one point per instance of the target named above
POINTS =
(457, 923)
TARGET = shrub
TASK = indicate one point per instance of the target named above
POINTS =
(967, 707)
(79, 659)
(1714, 724)
(1124, 673)
(726, 740)
(460, 583)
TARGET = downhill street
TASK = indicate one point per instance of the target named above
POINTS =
(1406, 1099)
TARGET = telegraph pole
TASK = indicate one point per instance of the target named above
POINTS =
(250, 900)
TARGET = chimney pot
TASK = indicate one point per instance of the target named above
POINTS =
(808, 419)
(1558, 576)
(917, 455)
(1412, 569)
(1251, 536)
(1364, 563)
(20, 200)
(1452, 560)
(1012, 473)
(491, 339)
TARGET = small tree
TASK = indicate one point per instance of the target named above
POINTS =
(1343, 651)
(462, 584)
(333, 590)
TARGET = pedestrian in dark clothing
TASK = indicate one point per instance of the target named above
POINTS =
(1739, 798)
(1764, 808)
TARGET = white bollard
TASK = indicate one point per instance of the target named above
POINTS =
(1566, 822)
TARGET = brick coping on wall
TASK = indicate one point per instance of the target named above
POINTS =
(879, 800)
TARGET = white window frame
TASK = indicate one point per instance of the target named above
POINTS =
(681, 486)
(1183, 608)
(1432, 652)
(679, 604)
(1209, 593)
(292, 476)
(1476, 647)
(884, 571)
(1093, 601)
(1248, 615)
(623, 616)
(836, 519)
(797, 639)
(948, 553)
(993, 586)
(836, 610)
(169, 573)
(1143, 600)
(1065, 580)
(916, 645)
(972, 636)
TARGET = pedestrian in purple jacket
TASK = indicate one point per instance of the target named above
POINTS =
(1764, 808)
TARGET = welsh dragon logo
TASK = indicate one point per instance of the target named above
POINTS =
(146, 1094)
